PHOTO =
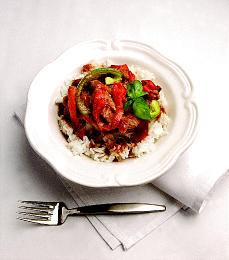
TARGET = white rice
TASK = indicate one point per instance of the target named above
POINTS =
(79, 147)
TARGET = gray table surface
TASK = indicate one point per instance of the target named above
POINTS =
(33, 33)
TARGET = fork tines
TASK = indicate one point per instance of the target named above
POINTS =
(36, 211)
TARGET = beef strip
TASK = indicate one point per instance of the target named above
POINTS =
(97, 84)
(109, 88)
(125, 73)
(109, 140)
(132, 121)
(107, 114)
(154, 94)
(86, 98)
(128, 122)
(64, 111)
(63, 108)
(116, 141)
(75, 82)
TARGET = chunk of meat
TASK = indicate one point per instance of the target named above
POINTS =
(123, 69)
(107, 114)
(110, 101)
(86, 98)
(80, 132)
(127, 74)
(109, 140)
(128, 122)
(97, 84)
(152, 89)
(75, 82)
(65, 100)
(87, 68)
(132, 120)
(65, 110)
(109, 88)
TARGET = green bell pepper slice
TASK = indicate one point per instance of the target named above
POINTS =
(91, 75)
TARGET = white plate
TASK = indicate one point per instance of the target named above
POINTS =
(46, 139)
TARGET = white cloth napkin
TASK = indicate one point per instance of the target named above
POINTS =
(189, 183)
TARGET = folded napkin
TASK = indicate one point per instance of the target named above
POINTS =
(188, 183)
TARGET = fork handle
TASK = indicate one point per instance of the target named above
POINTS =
(117, 208)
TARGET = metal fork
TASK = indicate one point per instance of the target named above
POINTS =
(55, 213)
